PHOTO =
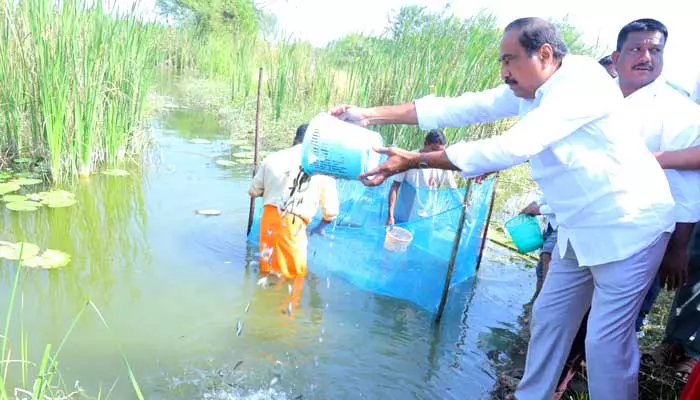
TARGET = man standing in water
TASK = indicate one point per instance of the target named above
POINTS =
(291, 200)
(408, 187)
(612, 232)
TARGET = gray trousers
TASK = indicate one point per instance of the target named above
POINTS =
(683, 325)
(614, 292)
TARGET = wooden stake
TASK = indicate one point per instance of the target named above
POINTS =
(251, 212)
(486, 225)
(455, 249)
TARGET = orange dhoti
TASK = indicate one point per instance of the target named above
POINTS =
(283, 243)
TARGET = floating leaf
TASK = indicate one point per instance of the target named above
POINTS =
(244, 154)
(23, 205)
(9, 198)
(209, 212)
(8, 187)
(58, 203)
(49, 259)
(200, 141)
(4, 175)
(27, 175)
(226, 163)
(115, 172)
(27, 181)
(11, 251)
(246, 147)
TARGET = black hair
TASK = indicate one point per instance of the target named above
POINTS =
(640, 25)
(299, 135)
(605, 61)
(535, 32)
(434, 136)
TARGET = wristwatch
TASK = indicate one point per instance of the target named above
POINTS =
(421, 161)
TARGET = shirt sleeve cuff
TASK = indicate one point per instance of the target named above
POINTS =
(459, 155)
(428, 109)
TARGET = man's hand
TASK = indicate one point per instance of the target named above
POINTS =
(673, 272)
(390, 220)
(319, 230)
(355, 115)
(399, 161)
(531, 209)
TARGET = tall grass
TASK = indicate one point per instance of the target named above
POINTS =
(74, 82)
(447, 57)
(39, 380)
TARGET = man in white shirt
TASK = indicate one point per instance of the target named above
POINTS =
(412, 190)
(539, 207)
(611, 198)
(671, 123)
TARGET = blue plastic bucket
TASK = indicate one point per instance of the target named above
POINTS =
(525, 232)
(339, 149)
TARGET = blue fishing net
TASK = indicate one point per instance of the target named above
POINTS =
(353, 247)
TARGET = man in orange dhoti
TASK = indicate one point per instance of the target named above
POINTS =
(289, 207)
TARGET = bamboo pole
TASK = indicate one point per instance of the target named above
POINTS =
(251, 211)
(486, 224)
(455, 249)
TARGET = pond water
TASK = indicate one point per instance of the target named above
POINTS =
(173, 285)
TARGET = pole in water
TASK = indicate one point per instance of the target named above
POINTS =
(486, 224)
(455, 249)
(251, 211)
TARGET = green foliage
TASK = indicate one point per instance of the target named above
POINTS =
(213, 16)
(74, 83)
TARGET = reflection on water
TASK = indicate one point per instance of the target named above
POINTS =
(176, 288)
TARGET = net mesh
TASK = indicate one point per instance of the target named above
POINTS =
(353, 247)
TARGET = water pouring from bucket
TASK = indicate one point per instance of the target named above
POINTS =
(339, 149)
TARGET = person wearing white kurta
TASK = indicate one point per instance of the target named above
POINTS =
(611, 199)
(671, 123)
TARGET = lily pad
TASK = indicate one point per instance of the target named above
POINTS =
(49, 259)
(209, 212)
(244, 154)
(26, 181)
(4, 175)
(246, 147)
(200, 141)
(226, 163)
(11, 198)
(8, 187)
(11, 251)
(30, 175)
(23, 205)
(58, 203)
(115, 172)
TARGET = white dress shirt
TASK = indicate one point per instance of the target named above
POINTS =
(609, 194)
(671, 122)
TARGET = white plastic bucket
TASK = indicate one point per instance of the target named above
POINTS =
(338, 148)
(397, 239)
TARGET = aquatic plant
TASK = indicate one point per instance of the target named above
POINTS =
(74, 83)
